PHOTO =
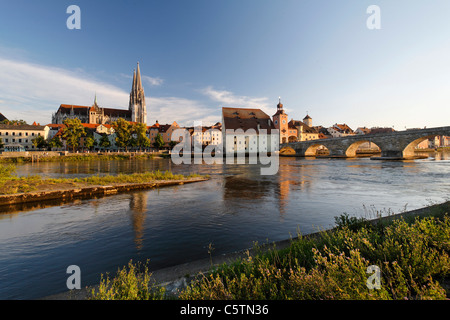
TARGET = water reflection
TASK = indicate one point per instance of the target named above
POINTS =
(174, 225)
(138, 209)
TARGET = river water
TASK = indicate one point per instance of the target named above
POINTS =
(234, 209)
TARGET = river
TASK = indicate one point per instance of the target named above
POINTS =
(234, 209)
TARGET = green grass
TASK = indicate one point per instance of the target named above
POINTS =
(412, 254)
(11, 184)
(130, 283)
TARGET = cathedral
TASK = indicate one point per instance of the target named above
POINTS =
(137, 110)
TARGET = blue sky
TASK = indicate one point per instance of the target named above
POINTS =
(197, 56)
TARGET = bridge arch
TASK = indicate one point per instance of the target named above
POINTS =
(409, 150)
(354, 147)
(287, 151)
(315, 149)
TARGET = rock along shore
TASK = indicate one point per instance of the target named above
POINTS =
(87, 191)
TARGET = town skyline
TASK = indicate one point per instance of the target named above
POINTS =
(330, 66)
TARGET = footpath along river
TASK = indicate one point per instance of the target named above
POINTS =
(175, 225)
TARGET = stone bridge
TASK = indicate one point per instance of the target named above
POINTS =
(397, 145)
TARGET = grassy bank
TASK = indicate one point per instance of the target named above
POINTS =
(412, 254)
(84, 157)
(12, 184)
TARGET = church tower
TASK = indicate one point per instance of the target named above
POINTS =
(280, 120)
(137, 99)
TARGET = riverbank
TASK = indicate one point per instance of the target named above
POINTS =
(31, 157)
(20, 190)
(177, 278)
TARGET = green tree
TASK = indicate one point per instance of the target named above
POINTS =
(73, 131)
(172, 144)
(89, 142)
(39, 142)
(1, 143)
(14, 122)
(104, 142)
(142, 141)
(159, 141)
(123, 131)
(55, 142)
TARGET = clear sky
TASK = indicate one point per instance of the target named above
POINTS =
(197, 56)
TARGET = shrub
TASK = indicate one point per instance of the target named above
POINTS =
(129, 284)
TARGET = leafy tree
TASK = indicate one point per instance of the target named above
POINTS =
(14, 122)
(89, 142)
(142, 141)
(55, 142)
(1, 143)
(39, 142)
(133, 142)
(172, 144)
(159, 141)
(104, 142)
(123, 131)
(73, 131)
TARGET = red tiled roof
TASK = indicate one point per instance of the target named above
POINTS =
(343, 128)
(306, 128)
(84, 110)
(55, 125)
(90, 125)
(243, 118)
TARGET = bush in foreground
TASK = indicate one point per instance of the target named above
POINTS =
(412, 256)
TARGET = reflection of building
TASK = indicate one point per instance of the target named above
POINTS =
(138, 207)
(137, 110)
(236, 187)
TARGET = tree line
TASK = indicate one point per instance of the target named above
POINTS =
(128, 135)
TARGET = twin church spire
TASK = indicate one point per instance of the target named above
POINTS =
(137, 99)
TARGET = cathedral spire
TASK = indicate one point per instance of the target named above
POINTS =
(138, 79)
(137, 98)
(133, 86)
